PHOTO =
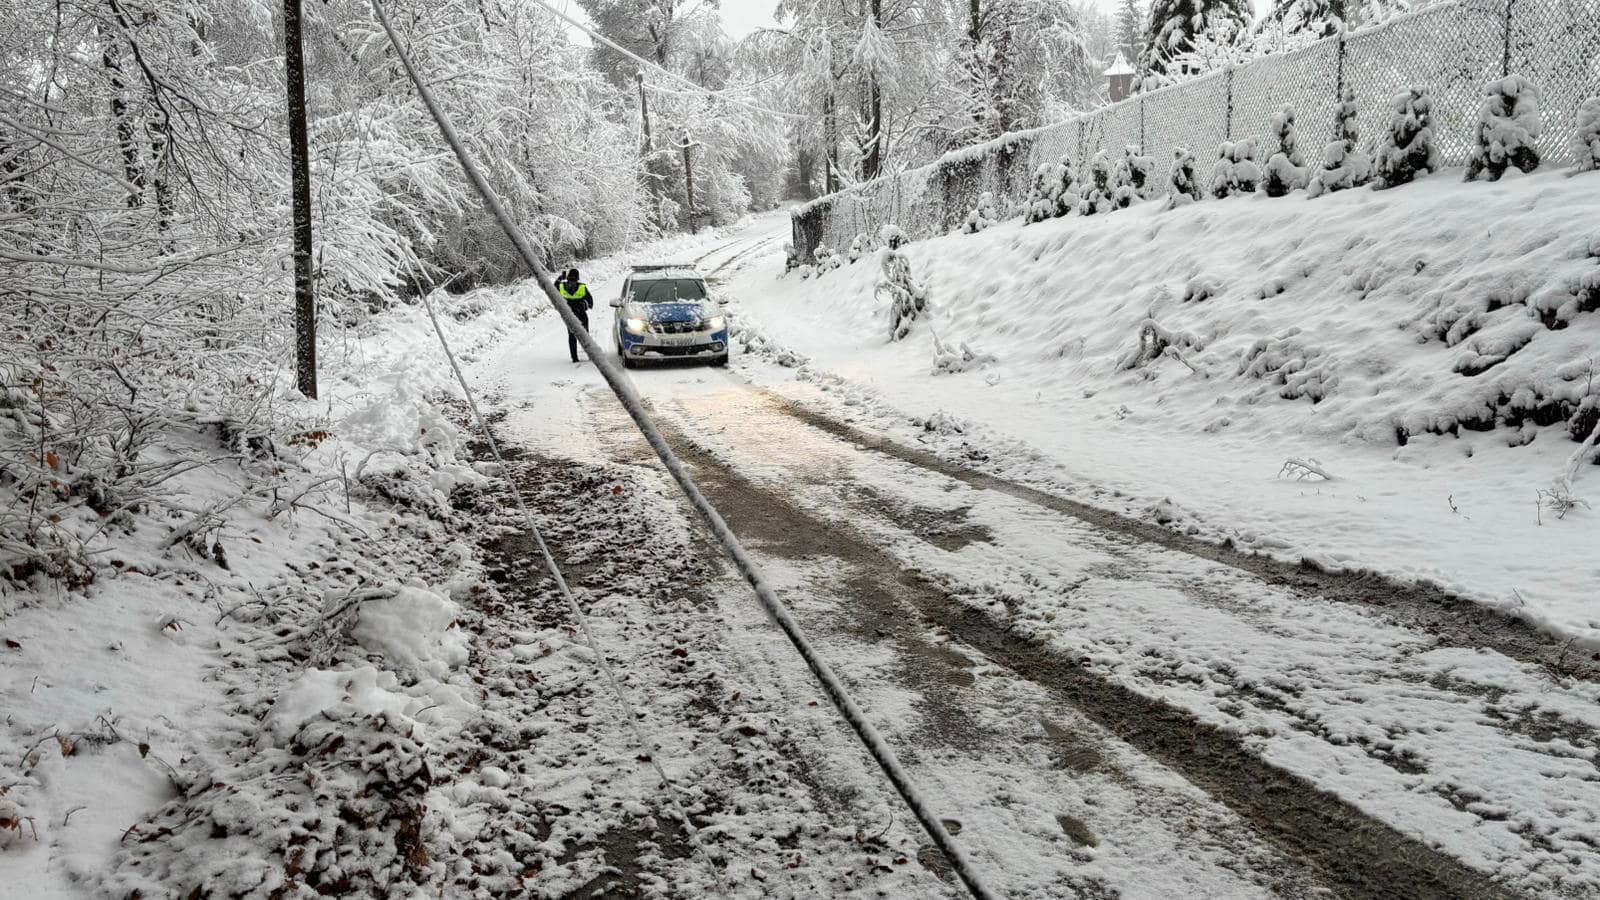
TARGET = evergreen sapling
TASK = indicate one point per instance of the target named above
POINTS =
(1236, 171)
(1098, 193)
(1344, 165)
(1587, 140)
(1052, 194)
(1133, 181)
(1406, 148)
(981, 216)
(1184, 181)
(1285, 168)
(1508, 126)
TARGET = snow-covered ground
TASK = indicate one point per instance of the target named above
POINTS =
(1367, 336)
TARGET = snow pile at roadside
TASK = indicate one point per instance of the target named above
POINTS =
(258, 651)
(1433, 346)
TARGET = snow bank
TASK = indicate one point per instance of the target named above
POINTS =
(1435, 344)
(414, 630)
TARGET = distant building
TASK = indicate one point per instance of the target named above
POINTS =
(1119, 78)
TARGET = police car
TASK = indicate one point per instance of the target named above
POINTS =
(666, 312)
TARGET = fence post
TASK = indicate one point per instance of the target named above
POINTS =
(1142, 148)
(1505, 59)
(1227, 124)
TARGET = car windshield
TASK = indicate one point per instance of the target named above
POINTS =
(668, 290)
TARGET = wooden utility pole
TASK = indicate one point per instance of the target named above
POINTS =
(305, 304)
(644, 111)
(688, 178)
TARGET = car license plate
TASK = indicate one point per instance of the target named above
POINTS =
(679, 340)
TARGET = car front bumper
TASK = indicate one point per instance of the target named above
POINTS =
(691, 345)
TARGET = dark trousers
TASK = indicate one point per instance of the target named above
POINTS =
(581, 310)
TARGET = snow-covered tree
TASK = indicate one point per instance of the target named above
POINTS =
(1324, 18)
(1236, 171)
(1508, 126)
(1344, 164)
(1406, 148)
(1183, 181)
(906, 297)
(1132, 177)
(1024, 63)
(1175, 25)
(1099, 192)
(981, 216)
(1052, 193)
(1586, 142)
(1132, 24)
(1286, 170)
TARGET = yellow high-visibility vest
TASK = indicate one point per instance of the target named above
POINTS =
(583, 291)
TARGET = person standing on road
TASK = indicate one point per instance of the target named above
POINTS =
(580, 301)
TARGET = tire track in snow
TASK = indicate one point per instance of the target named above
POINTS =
(1455, 621)
(1354, 854)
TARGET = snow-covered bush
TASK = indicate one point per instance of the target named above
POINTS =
(827, 258)
(1236, 171)
(1587, 140)
(1406, 148)
(1285, 168)
(982, 216)
(1156, 341)
(1133, 181)
(1098, 195)
(1508, 126)
(1183, 180)
(1052, 195)
(905, 296)
(1284, 360)
(1344, 165)
(861, 247)
(948, 360)
(791, 257)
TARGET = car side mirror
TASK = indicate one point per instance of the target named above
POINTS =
(617, 303)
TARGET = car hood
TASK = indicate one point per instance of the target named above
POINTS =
(672, 312)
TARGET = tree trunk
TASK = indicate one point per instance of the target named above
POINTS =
(305, 304)
(830, 140)
(872, 164)
(132, 167)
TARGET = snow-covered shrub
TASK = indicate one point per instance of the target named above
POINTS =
(1133, 180)
(1286, 361)
(827, 258)
(1406, 148)
(904, 294)
(982, 216)
(1052, 194)
(1098, 194)
(791, 258)
(948, 360)
(861, 247)
(1183, 180)
(1344, 165)
(1155, 341)
(1587, 140)
(1285, 168)
(1236, 171)
(1508, 126)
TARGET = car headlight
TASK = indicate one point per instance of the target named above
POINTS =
(716, 323)
(634, 326)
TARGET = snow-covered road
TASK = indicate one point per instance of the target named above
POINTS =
(1100, 714)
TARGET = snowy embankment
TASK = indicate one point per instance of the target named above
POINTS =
(244, 672)
(1393, 380)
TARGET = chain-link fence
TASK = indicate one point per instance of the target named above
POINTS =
(1453, 49)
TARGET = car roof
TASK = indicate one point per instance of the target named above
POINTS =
(660, 271)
